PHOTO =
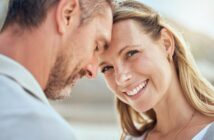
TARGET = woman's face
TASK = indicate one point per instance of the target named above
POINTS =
(135, 66)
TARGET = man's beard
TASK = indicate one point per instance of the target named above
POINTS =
(59, 84)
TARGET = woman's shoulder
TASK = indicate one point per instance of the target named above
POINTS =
(209, 132)
(206, 133)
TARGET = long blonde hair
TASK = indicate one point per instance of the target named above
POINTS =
(198, 91)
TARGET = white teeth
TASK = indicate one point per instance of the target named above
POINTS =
(141, 86)
(137, 89)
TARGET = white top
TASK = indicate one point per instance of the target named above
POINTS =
(201, 134)
(25, 113)
(198, 136)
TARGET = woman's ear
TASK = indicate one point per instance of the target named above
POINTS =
(67, 14)
(168, 42)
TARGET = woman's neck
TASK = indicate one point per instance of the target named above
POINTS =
(173, 112)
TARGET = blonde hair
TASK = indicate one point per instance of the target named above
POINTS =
(197, 90)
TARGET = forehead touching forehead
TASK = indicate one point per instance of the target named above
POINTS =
(104, 26)
(102, 11)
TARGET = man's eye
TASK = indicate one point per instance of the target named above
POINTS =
(106, 68)
(97, 48)
(131, 53)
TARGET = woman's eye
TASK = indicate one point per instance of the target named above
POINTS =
(131, 53)
(106, 68)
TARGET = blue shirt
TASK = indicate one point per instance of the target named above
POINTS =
(25, 113)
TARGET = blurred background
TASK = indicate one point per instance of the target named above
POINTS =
(90, 110)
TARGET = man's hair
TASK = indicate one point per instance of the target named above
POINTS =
(31, 13)
(90, 8)
(27, 13)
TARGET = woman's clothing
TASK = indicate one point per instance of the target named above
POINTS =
(207, 133)
(203, 132)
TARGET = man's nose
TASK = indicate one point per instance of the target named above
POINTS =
(91, 71)
(91, 68)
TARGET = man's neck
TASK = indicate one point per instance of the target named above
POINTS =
(23, 47)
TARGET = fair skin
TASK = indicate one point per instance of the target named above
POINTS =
(141, 73)
(60, 51)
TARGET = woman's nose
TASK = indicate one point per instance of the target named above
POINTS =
(122, 76)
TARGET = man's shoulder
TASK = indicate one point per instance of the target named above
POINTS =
(35, 126)
(24, 117)
(7, 83)
(13, 95)
(15, 101)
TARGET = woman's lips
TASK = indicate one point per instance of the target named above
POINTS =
(136, 90)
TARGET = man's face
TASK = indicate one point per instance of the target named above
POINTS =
(79, 54)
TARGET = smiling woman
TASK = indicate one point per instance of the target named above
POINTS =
(154, 77)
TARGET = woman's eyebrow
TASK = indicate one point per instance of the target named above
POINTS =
(127, 46)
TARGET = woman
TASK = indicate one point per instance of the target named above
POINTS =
(160, 93)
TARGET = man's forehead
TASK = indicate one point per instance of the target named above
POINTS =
(104, 29)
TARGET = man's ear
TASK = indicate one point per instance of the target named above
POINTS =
(67, 14)
(168, 42)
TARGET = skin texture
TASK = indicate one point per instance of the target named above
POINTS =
(61, 50)
(134, 57)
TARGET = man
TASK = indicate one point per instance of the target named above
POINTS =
(46, 45)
